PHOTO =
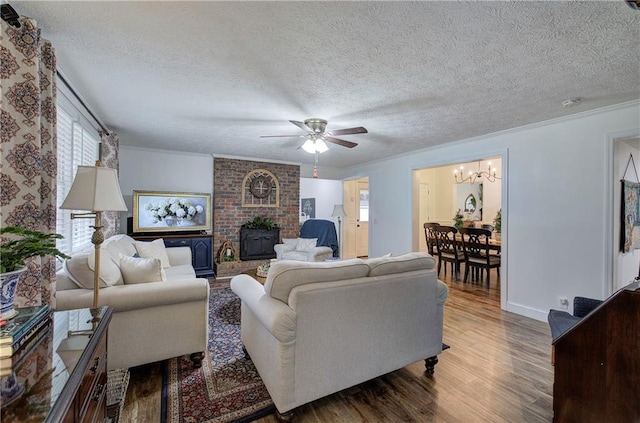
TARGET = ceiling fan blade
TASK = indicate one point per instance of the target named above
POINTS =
(341, 142)
(347, 131)
(281, 136)
(301, 125)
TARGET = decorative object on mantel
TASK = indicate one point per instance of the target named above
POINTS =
(630, 210)
(260, 188)
(487, 175)
(97, 189)
(227, 252)
(21, 245)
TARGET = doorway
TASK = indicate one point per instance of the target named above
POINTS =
(438, 195)
(624, 264)
(356, 221)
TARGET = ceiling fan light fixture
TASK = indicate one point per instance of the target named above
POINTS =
(309, 146)
(314, 145)
(321, 146)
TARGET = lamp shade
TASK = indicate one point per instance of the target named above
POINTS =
(338, 211)
(95, 188)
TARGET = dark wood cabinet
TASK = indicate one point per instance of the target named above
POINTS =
(62, 373)
(201, 250)
(597, 364)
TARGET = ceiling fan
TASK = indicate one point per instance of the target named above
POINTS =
(316, 135)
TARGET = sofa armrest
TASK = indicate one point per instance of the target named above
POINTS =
(282, 248)
(137, 296)
(316, 252)
(179, 255)
(274, 315)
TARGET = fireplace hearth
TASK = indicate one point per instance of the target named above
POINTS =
(257, 244)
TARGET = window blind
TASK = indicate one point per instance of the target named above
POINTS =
(78, 144)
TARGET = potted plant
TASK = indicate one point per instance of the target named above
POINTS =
(497, 224)
(20, 245)
(458, 220)
(260, 223)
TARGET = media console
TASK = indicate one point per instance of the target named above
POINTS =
(201, 249)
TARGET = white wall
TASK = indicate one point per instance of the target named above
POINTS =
(556, 187)
(161, 170)
(626, 264)
(327, 193)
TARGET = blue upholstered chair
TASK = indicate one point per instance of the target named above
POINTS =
(326, 245)
(561, 321)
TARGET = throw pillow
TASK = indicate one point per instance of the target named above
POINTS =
(153, 249)
(80, 267)
(141, 270)
(306, 244)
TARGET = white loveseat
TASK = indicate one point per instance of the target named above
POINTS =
(154, 319)
(302, 249)
(314, 328)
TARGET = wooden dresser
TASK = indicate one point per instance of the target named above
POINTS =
(597, 363)
(63, 376)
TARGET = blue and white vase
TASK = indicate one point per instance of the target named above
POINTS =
(8, 284)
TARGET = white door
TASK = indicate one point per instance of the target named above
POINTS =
(349, 222)
(362, 221)
(356, 222)
(423, 213)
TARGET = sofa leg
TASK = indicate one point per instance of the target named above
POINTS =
(196, 359)
(430, 364)
(284, 417)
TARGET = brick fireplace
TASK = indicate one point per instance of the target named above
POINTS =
(229, 213)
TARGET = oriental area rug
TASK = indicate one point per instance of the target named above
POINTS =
(227, 388)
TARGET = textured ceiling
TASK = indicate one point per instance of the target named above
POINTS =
(211, 77)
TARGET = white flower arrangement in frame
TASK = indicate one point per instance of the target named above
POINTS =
(162, 211)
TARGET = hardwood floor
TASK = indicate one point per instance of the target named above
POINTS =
(497, 370)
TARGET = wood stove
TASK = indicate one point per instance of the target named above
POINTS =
(257, 244)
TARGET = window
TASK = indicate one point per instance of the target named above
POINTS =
(78, 144)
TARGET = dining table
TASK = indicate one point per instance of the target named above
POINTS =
(494, 244)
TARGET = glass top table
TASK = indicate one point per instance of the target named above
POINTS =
(35, 378)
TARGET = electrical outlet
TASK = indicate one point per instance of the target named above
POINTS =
(564, 302)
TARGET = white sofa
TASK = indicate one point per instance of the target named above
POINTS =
(153, 320)
(314, 329)
(302, 249)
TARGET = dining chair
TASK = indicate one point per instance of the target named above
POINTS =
(475, 246)
(488, 227)
(430, 237)
(448, 249)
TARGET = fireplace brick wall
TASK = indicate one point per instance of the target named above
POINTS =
(229, 215)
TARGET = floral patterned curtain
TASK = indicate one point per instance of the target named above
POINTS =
(28, 148)
(109, 147)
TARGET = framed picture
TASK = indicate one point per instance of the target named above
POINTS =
(161, 211)
(308, 208)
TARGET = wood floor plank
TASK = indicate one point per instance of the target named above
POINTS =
(498, 369)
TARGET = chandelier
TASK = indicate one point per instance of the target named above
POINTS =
(488, 175)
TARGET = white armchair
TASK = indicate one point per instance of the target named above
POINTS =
(302, 249)
(317, 242)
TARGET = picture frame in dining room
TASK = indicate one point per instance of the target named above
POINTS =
(170, 211)
(469, 200)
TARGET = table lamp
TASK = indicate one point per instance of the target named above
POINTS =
(338, 211)
(95, 188)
